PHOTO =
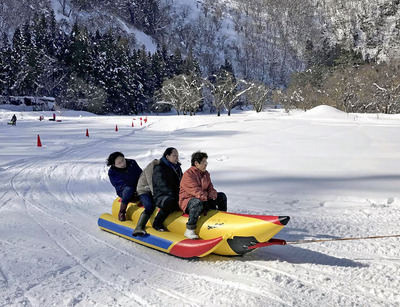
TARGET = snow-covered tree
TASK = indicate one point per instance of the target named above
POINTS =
(6, 69)
(226, 89)
(257, 96)
(78, 53)
(183, 92)
(388, 87)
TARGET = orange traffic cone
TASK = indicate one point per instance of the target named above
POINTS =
(116, 128)
(39, 143)
(133, 125)
(87, 132)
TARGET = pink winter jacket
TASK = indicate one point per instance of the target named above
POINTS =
(195, 184)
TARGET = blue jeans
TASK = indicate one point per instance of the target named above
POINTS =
(128, 194)
(147, 202)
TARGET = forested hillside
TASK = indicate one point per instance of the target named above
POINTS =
(88, 54)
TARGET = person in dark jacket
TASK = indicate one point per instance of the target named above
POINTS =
(166, 178)
(13, 120)
(124, 175)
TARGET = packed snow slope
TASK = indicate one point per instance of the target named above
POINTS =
(336, 175)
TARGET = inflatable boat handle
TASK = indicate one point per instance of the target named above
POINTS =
(268, 243)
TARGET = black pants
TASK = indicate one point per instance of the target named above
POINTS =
(195, 207)
(167, 206)
(221, 203)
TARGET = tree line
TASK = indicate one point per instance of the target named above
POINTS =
(348, 83)
(100, 73)
(97, 71)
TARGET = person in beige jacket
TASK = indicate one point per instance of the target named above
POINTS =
(145, 192)
(197, 193)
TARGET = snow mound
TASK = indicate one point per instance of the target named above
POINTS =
(326, 110)
(323, 111)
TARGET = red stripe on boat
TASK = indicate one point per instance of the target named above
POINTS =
(193, 248)
(267, 218)
(268, 243)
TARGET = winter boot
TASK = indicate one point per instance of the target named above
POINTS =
(122, 212)
(189, 233)
(139, 230)
(158, 223)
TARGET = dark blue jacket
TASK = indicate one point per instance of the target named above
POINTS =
(125, 177)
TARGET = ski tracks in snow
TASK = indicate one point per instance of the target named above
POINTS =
(66, 237)
(60, 196)
(50, 199)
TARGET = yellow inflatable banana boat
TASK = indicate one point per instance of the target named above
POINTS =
(222, 233)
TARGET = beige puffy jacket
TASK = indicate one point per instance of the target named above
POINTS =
(145, 183)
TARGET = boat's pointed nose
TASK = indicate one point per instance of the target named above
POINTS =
(283, 219)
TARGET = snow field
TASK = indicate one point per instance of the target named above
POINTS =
(335, 174)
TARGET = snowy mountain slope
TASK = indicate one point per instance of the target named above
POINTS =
(264, 40)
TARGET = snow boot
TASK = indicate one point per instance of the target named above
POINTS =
(158, 223)
(189, 233)
(159, 227)
(139, 230)
(122, 212)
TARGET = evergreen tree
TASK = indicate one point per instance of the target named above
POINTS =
(227, 67)
(145, 15)
(175, 63)
(191, 65)
(156, 76)
(158, 73)
(136, 94)
(110, 73)
(144, 70)
(6, 71)
(52, 43)
(116, 71)
(151, 12)
(78, 56)
(25, 62)
(130, 91)
(83, 95)
(49, 71)
(39, 32)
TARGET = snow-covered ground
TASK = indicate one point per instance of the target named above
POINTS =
(336, 175)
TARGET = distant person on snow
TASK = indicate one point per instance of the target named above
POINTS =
(124, 175)
(166, 178)
(13, 120)
(145, 191)
(197, 193)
